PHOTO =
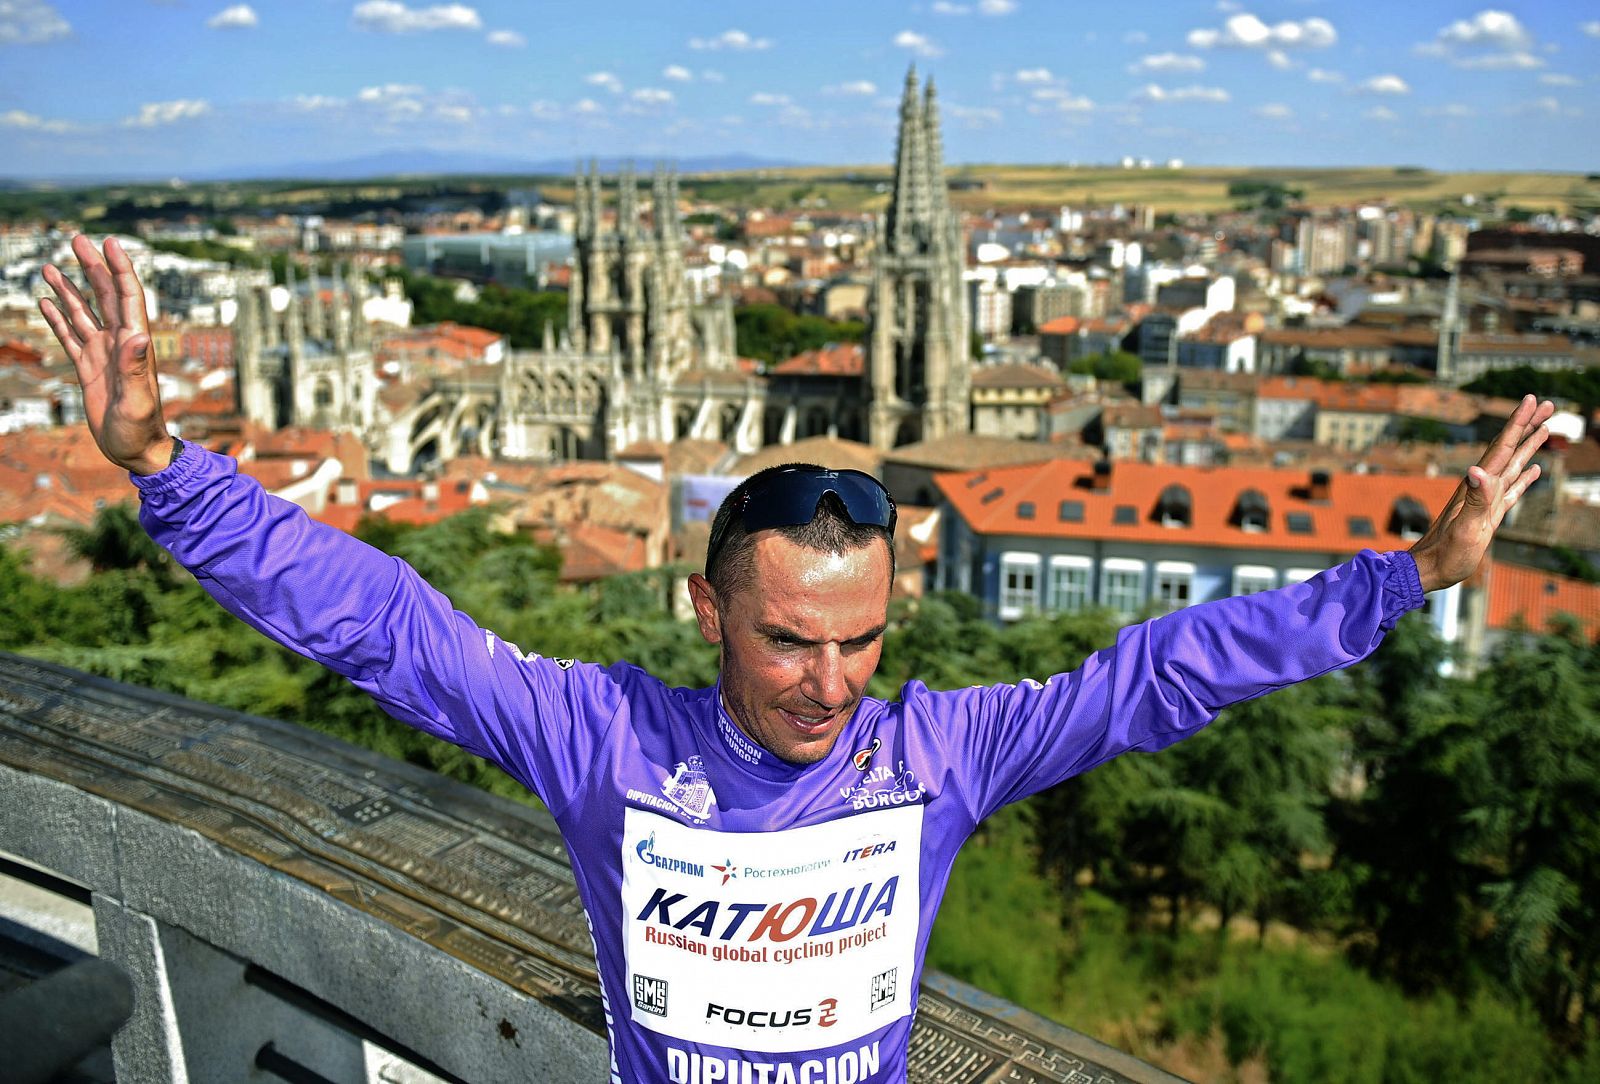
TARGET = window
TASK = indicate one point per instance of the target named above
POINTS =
(1174, 584)
(1070, 589)
(1122, 584)
(1299, 522)
(1408, 519)
(1019, 585)
(1175, 508)
(1251, 512)
(1025, 510)
(1299, 575)
(1361, 527)
(1253, 579)
(1070, 512)
(1125, 515)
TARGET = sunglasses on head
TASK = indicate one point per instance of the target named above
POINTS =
(789, 497)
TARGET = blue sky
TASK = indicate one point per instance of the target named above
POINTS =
(133, 86)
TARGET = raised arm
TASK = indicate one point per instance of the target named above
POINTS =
(310, 587)
(110, 348)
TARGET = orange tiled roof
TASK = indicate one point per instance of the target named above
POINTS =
(1534, 596)
(1214, 493)
(835, 359)
(1061, 325)
(1015, 375)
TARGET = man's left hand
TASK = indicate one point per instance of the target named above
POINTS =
(1459, 538)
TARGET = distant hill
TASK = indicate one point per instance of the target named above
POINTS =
(409, 163)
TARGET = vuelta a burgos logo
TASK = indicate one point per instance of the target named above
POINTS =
(689, 788)
(884, 786)
(862, 758)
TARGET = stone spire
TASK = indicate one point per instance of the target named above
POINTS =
(316, 315)
(938, 200)
(627, 202)
(909, 201)
(343, 325)
(580, 203)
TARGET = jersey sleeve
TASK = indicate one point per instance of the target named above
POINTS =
(371, 618)
(1165, 679)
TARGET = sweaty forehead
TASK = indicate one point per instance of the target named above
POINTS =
(841, 594)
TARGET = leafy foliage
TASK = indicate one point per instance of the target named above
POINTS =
(1383, 875)
(772, 333)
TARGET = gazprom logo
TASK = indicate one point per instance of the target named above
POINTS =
(647, 854)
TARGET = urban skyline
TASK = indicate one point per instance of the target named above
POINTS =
(1446, 85)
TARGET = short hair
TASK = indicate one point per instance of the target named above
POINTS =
(831, 530)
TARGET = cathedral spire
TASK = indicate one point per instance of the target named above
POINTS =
(628, 202)
(908, 203)
(934, 147)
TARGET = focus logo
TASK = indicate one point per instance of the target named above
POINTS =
(824, 1015)
(650, 995)
(884, 985)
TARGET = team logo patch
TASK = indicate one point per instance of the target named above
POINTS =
(650, 995)
(863, 757)
(729, 871)
(884, 985)
(690, 788)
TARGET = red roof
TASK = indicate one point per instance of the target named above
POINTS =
(989, 501)
(1532, 597)
(835, 359)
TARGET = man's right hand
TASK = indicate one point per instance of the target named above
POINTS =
(113, 356)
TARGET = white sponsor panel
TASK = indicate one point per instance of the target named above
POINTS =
(771, 941)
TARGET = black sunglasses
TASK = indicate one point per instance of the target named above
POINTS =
(789, 498)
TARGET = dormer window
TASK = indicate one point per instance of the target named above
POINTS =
(1409, 519)
(1175, 508)
(1250, 512)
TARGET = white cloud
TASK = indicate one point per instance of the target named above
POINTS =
(1274, 111)
(1279, 59)
(1381, 113)
(1167, 62)
(32, 122)
(652, 96)
(1246, 31)
(608, 80)
(29, 22)
(1073, 103)
(713, 77)
(544, 109)
(917, 43)
(1384, 84)
(1153, 93)
(984, 7)
(238, 17)
(1559, 79)
(1034, 75)
(311, 103)
(587, 107)
(1323, 75)
(1451, 109)
(1498, 29)
(388, 92)
(506, 39)
(393, 17)
(1135, 37)
(1489, 41)
(1499, 61)
(855, 88)
(764, 98)
(153, 114)
(736, 40)
(1592, 29)
(677, 73)
(1547, 105)
(456, 114)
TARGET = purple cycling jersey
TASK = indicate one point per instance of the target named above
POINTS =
(754, 921)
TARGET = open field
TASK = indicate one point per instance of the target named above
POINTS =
(980, 187)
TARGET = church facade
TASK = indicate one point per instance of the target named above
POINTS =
(640, 360)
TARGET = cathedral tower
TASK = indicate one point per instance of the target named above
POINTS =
(918, 367)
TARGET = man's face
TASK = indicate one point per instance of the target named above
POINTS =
(799, 643)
